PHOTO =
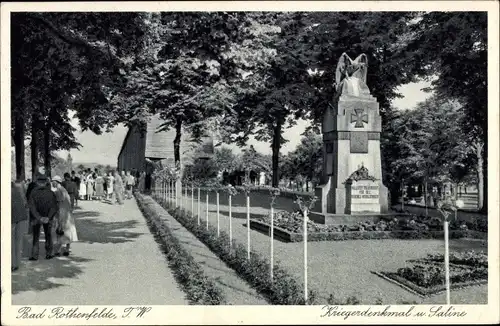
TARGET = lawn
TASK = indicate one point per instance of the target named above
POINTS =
(344, 267)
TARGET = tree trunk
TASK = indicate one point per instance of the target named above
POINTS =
(177, 155)
(425, 200)
(481, 189)
(19, 146)
(394, 189)
(34, 146)
(276, 152)
(46, 150)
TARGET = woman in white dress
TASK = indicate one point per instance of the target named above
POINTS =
(66, 229)
(82, 193)
(110, 180)
(90, 186)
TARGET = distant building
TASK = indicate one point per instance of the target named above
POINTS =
(145, 149)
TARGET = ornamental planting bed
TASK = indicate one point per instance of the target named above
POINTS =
(426, 276)
(288, 227)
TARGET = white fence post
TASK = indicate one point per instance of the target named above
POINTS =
(272, 242)
(230, 223)
(207, 208)
(199, 206)
(192, 200)
(447, 262)
(305, 254)
(218, 216)
(185, 200)
(175, 193)
(248, 226)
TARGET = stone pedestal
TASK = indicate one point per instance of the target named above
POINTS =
(351, 140)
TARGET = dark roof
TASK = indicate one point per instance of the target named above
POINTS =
(160, 144)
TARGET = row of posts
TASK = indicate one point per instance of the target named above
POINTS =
(166, 192)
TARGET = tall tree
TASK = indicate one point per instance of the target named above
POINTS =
(430, 142)
(306, 159)
(452, 47)
(66, 58)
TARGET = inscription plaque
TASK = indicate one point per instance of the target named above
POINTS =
(365, 196)
(359, 142)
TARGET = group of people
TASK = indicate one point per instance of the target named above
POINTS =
(94, 185)
(45, 203)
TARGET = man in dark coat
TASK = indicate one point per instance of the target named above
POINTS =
(77, 181)
(71, 188)
(43, 207)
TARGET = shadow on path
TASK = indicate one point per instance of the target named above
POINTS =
(39, 275)
(92, 230)
(80, 214)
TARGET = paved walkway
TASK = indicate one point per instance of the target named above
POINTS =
(116, 262)
(236, 290)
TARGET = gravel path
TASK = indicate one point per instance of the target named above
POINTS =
(342, 268)
(236, 290)
(116, 262)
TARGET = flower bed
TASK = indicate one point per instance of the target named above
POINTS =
(199, 288)
(289, 227)
(468, 258)
(427, 276)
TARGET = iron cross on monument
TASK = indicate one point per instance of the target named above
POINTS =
(359, 118)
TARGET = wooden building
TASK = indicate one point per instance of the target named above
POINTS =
(145, 149)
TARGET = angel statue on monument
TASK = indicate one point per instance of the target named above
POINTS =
(350, 77)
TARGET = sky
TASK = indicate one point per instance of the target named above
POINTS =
(104, 149)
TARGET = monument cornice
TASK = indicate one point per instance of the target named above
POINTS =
(346, 135)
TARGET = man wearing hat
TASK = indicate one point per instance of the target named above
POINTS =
(43, 208)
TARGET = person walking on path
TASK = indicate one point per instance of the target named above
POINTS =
(90, 186)
(110, 181)
(83, 187)
(129, 182)
(99, 187)
(118, 188)
(19, 214)
(105, 185)
(71, 188)
(44, 208)
(77, 180)
(65, 226)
